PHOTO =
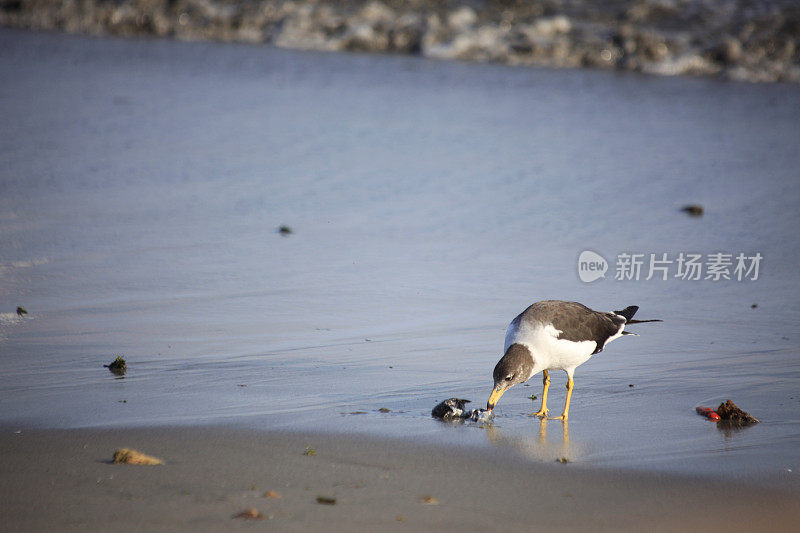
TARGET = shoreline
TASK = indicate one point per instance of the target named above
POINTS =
(752, 41)
(65, 479)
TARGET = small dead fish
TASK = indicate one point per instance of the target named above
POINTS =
(450, 409)
(455, 409)
(480, 415)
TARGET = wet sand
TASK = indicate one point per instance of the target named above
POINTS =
(65, 480)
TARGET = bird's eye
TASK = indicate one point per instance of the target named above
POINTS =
(509, 378)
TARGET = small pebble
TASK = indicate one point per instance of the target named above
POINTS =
(324, 500)
(250, 514)
(694, 210)
(134, 457)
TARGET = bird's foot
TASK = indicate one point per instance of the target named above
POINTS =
(562, 417)
(541, 413)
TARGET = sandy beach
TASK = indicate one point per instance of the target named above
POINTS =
(64, 480)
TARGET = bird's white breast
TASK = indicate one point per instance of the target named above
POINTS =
(549, 352)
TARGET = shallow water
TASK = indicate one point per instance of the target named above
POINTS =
(143, 182)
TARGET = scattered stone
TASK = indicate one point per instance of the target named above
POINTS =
(384, 410)
(118, 366)
(250, 514)
(274, 494)
(21, 311)
(630, 385)
(325, 500)
(753, 306)
(130, 456)
(694, 210)
(358, 413)
(285, 231)
(310, 451)
(462, 18)
(533, 397)
(562, 460)
(429, 500)
(751, 41)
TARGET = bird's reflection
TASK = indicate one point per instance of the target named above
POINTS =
(541, 449)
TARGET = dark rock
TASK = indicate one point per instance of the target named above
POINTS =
(694, 210)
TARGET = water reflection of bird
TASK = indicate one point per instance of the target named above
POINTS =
(540, 449)
(555, 335)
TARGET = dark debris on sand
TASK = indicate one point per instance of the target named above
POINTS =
(695, 210)
(118, 366)
(454, 409)
(450, 409)
(731, 416)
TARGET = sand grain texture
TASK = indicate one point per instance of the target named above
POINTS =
(62, 480)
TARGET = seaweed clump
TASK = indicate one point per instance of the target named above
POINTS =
(731, 416)
(118, 366)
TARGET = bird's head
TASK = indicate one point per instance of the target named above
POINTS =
(516, 366)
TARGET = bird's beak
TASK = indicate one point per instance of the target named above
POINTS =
(494, 398)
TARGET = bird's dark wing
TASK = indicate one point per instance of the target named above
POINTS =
(582, 324)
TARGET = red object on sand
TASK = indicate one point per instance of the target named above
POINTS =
(707, 412)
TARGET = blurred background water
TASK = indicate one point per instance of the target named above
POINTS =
(142, 183)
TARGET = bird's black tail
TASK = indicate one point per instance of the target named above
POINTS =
(628, 313)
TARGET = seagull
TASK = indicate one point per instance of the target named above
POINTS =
(555, 335)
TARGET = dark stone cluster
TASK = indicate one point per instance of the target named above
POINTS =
(755, 40)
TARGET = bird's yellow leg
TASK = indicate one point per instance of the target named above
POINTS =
(565, 414)
(546, 385)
